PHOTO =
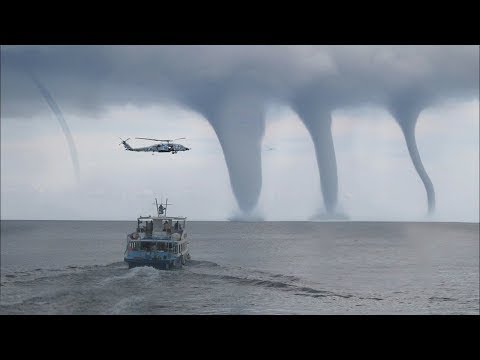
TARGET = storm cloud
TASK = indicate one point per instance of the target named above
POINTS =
(232, 85)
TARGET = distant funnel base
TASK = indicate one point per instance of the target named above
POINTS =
(246, 217)
(330, 217)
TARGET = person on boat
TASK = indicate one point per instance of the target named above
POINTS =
(167, 227)
(176, 226)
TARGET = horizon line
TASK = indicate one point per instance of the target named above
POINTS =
(248, 221)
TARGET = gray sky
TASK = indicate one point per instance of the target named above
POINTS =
(101, 100)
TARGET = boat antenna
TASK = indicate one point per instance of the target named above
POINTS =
(156, 205)
(166, 205)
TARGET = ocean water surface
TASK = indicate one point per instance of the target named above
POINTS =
(76, 267)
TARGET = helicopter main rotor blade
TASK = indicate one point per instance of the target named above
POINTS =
(152, 139)
(179, 138)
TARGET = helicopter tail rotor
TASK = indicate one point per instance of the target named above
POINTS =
(125, 144)
(123, 141)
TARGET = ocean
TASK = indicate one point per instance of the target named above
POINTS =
(76, 267)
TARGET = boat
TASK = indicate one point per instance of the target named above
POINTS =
(158, 241)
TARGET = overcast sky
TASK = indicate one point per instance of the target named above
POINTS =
(376, 178)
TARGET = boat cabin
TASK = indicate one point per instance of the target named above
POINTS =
(164, 233)
(164, 226)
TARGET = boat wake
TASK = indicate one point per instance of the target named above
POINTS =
(199, 287)
(125, 305)
(257, 278)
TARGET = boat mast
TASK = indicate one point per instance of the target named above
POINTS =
(166, 205)
(162, 210)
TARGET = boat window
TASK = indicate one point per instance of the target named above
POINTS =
(149, 228)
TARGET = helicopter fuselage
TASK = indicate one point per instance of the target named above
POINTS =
(165, 147)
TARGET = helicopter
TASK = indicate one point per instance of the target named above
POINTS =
(164, 146)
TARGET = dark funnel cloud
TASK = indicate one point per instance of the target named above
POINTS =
(61, 120)
(314, 104)
(405, 109)
(230, 86)
(239, 124)
(318, 122)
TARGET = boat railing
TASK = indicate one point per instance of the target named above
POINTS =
(169, 247)
(154, 236)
